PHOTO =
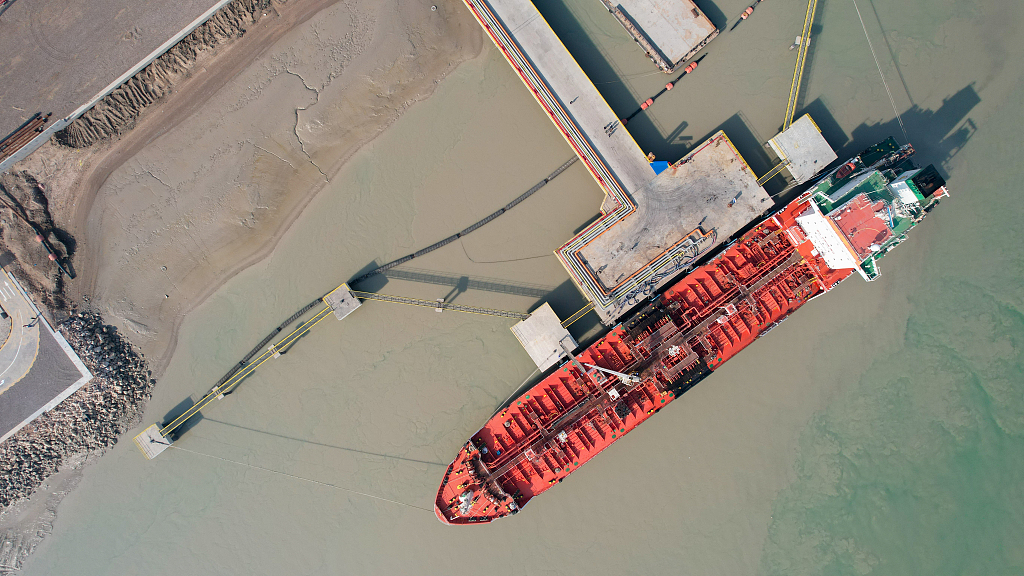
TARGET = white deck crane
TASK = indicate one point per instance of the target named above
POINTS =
(627, 379)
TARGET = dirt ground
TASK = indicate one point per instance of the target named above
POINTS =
(157, 212)
(210, 178)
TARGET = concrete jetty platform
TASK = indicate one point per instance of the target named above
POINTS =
(567, 95)
(670, 32)
(544, 337)
(802, 149)
(651, 227)
(687, 211)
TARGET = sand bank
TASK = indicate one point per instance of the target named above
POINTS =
(209, 180)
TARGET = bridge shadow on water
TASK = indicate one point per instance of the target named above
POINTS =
(937, 135)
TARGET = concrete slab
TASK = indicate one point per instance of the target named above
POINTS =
(685, 212)
(342, 301)
(54, 373)
(151, 442)
(19, 349)
(804, 148)
(674, 29)
(541, 335)
(566, 94)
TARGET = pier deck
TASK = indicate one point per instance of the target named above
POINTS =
(651, 228)
(684, 213)
(567, 95)
(669, 31)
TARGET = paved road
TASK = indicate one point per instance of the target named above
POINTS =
(39, 368)
(19, 350)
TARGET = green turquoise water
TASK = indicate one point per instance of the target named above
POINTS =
(878, 431)
(918, 466)
(915, 464)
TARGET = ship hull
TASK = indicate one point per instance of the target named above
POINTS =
(684, 334)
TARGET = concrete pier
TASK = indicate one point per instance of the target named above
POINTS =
(567, 95)
(151, 442)
(651, 228)
(802, 149)
(683, 214)
(542, 335)
(669, 31)
(342, 301)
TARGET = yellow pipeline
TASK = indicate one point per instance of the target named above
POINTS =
(778, 168)
(237, 377)
(578, 314)
(801, 59)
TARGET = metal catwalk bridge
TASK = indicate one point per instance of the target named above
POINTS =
(794, 88)
(341, 301)
(440, 305)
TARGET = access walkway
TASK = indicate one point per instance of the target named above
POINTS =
(567, 95)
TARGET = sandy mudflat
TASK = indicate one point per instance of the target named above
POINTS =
(209, 179)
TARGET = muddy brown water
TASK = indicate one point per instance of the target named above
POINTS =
(877, 431)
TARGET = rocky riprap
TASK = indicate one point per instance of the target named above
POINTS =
(89, 420)
(117, 112)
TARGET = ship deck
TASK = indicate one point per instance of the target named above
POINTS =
(577, 411)
(670, 31)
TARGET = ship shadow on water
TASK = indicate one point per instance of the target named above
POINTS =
(937, 135)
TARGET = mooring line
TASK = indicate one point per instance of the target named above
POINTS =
(501, 261)
(327, 484)
(882, 76)
(532, 374)
(481, 223)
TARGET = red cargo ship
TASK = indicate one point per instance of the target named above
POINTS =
(846, 222)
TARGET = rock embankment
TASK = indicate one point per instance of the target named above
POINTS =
(117, 113)
(91, 419)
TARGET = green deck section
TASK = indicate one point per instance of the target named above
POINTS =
(874, 183)
(879, 151)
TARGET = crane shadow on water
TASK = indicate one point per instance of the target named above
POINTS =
(324, 445)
